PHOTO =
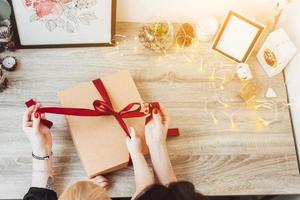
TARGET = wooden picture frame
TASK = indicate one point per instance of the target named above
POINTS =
(237, 37)
(85, 22)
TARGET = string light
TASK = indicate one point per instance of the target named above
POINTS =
(225, 105)
(201, 65)
(215, 119)
(212, 76)
(189, 60)
(232, 121)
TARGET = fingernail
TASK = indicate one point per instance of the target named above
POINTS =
(155, 111)
(36, 115)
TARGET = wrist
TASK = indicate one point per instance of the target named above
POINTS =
(136, 154)
(41, 151)
(157, 146)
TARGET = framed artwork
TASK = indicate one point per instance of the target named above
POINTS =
(63, 23)
(237, 37)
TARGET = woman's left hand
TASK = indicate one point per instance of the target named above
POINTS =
(134, 144)
(38, 134)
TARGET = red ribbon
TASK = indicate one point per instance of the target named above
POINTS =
(103, 108)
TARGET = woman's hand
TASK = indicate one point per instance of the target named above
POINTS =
(101, 181)
(156, 129)
(134, 144)
(38, 134)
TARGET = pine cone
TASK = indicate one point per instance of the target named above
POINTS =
(3, 81)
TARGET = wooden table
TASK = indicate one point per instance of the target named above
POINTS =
(248, 159)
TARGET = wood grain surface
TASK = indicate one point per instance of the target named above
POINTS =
(249, 159)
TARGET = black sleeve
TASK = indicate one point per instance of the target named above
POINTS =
(35, 193)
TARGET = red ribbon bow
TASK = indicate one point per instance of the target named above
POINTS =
(103, 108)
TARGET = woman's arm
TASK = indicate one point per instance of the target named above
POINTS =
(42, 173)
(41, 143)
(142, 173)
(162, 164)
(156, 134)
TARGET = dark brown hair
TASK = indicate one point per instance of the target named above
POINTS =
(182, 190)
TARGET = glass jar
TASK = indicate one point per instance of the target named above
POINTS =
(156, 34)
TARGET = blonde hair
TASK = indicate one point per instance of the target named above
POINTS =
(84, 190)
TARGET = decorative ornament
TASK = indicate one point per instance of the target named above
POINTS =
(243, 71)
(156, 34)
(206, 28)
(185, 35)
(271, 93)
(276, 52)
(270, 57)
(9, 63)
(3, 81)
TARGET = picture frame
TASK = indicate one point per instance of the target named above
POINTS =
(64, 23)
(237, 37)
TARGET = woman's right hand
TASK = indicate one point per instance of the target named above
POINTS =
(156, 129)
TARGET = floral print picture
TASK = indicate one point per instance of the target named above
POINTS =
(65, 14)
(60, 22)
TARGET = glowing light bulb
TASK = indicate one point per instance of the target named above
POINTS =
(195, 43)
(200, 69)
(264, 122)
(136, 38)
(233, 124)
(212, 77)
(215, 119)
(187, 58)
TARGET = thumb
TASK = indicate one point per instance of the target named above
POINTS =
(36, 121)
(132, 132)
(127, 140)
(156, 115)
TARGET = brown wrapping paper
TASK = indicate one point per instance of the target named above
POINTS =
(100, 141)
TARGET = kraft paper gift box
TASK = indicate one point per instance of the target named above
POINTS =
(100, 141)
